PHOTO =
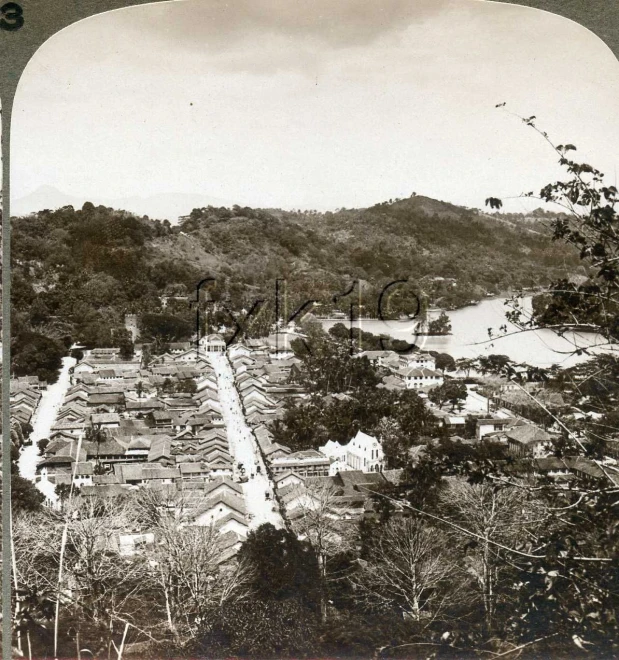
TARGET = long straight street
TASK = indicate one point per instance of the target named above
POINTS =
(244, 449)
(42, 422)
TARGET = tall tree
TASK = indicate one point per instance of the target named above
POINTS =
(572, 582)
(189, 575)
(451, 391)
(492, 520)
(409, 570)
(282, 565)
(322, 525)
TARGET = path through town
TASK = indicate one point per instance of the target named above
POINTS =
(476, 403)
(42, 422)
(244, 449)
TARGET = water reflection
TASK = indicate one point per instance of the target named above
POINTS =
(469, 337)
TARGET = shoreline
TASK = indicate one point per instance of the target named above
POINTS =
(437, 310)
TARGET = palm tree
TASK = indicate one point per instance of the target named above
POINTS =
(97, 435)
(146, 356)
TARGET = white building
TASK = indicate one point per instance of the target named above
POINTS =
(213, 344)
(420, 378)
(337, 455)
(364, 452)
(486, 426)
(238, 350)
(307, 463)
(418, 361)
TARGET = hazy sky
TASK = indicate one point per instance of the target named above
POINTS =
(312, 103)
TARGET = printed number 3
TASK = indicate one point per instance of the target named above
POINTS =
(11, 16)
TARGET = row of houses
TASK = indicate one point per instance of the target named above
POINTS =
(217, 504)
(525, 405)
(394, 361)
(263, 381)
(568, 468)
(113, 437)
(521, 438)
(103, 359)
(262, 396)
(171, 434)
(25, 396)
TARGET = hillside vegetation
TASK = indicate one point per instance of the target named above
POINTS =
(418, 238)
(77, 272)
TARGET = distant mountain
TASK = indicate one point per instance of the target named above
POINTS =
(45, 197)
(163, 206)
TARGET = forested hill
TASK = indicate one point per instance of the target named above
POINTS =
(420, 238)
(77, 272)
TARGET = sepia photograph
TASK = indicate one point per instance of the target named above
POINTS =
(314, 334)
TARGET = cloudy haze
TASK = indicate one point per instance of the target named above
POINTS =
(314, 105)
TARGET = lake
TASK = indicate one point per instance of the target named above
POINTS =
(469, 337)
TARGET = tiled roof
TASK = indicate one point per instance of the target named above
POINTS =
(528, 434)
(104, 418)
(231, 501)
(159, 448)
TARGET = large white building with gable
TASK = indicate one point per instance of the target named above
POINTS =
(364, 452)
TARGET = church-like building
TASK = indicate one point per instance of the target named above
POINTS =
(212, 344)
